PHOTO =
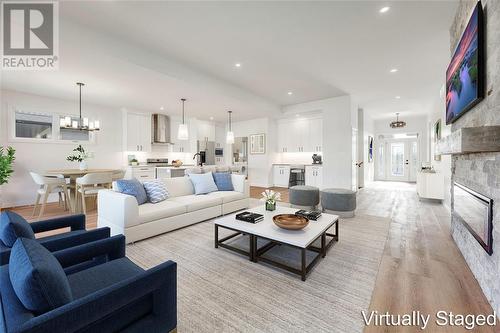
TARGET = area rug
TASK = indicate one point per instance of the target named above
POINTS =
(221, 291)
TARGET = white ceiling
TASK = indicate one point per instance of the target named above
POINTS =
(143, 54)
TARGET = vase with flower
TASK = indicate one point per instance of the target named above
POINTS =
(271, 197)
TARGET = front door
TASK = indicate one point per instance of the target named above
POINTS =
(400, 161)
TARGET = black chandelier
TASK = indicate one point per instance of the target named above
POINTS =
(398, 123)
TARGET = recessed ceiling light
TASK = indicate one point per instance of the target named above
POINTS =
(237, 65)
(290, 93)
(384, 9)
(398, 97)
(297, 115)
(161, 108)
(394, 70)
(211, 118)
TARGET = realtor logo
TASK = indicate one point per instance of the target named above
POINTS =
(30, 35)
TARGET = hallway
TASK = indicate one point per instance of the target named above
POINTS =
(422, 268)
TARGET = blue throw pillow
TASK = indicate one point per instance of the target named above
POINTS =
(13, 226)
(37, 277)
(134, 188)
(156, 190)
(203, 183)
(223, 181)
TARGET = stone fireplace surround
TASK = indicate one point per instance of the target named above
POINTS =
(481, 171)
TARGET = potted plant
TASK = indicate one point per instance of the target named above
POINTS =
(134, 161)
(6, 160)
(270, 197)
(79, 155)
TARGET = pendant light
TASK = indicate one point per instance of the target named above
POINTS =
(82, 124)
(398, 123)
(183, 133)
(230, 134)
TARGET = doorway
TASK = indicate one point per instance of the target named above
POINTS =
(398, 159)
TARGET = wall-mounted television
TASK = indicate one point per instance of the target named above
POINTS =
(465, 74)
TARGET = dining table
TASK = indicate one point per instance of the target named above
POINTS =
(72, 175)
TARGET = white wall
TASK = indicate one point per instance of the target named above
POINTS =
(368, 130)
(259, 165)
(443, 166)
(337, 137)
(40, 157)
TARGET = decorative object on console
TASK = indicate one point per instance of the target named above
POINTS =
(270, 197)
(437, 137)
(80, 156)
(465, 76)
(134, 188)
(183, 133)
(316, 159)
(397, 123)
(156, 190)
(203, 183)
(230, 133)
(82, 124)
(134, 161)
(258, 143)
(290, 221)
(370, 149)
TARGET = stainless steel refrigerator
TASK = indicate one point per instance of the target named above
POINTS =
(209, 148)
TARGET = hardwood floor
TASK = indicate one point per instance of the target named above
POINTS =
(421, 269)
(255, 192)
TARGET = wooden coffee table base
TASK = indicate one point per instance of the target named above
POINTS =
(255, 253)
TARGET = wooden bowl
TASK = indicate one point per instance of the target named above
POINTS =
(290, 221)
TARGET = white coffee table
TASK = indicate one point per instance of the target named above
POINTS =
(266, 229)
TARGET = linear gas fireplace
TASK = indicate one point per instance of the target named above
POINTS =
(475, 211)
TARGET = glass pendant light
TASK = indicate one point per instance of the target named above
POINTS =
(230, 134)
(183, 133)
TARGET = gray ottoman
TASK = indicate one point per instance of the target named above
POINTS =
(338, 201)
(304, 196)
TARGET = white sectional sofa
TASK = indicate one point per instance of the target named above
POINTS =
(123, 215)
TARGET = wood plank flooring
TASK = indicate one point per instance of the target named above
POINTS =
(421, 269)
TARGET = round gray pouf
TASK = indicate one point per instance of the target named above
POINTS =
(304, 196)
(339, 201)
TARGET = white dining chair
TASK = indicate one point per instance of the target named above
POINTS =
(116, 175)
(89, 185)
(48, 185)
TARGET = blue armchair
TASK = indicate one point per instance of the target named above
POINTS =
(114, 296)
(13, 225)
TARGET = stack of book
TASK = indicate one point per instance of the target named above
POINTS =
(249, 217)
(309, 214)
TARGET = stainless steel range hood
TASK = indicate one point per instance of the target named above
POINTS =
(160, 129)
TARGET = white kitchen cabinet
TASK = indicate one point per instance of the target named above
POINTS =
(281, 175)
(283, 137)
(300, 135)
(314, 176)
(220, 137)
(141, 172)
(315, 140)
(205, 131)
(138, 131)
